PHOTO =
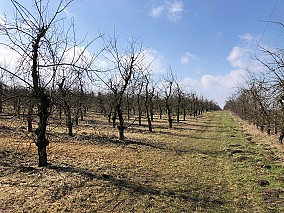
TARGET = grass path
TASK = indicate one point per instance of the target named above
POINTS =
(206, 165)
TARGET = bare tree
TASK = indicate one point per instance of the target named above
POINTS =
(148, 103)
(168, 92)
(124, 73)
(139, 102)
(179, 96)
(42, 43)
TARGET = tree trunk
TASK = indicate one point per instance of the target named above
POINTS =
(128, 106)
(42, 156)
(29, 118)
(178, 114)
(152, 114)
(139, 116)
(139, 110)
(147, 102)
(44, 101)
(149, 121)
(69, 120)
(30, 123)
(161, 112)
(17, 106)
(1, 97)
(82, 114)
(170, 120)
(42, 142)
(70, 128)
(109, 116)
(139, 105)
(78, 111)
(170, 123)
(114, 119)
(77, 120)
(121, 123)
(151, 105)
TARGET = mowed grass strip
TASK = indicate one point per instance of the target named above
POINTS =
(201, 165)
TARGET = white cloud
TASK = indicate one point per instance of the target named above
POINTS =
(186, 57)
(239, 57)
(173, 9)
(219, 87)
(101, 64)
(156, 60)
(156, 11)
(8, 57)
(243, 58)
(152, 60)
(222, 82)
(248, 37)
(189, 83)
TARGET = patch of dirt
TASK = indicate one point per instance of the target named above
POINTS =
(263, 183)
(272, 195)
(241, 158)
(281, 179)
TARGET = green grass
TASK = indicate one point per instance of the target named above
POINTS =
(201, 165)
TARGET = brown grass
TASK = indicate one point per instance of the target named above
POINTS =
(201, 165)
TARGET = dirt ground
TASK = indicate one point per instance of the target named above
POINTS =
(215, 163)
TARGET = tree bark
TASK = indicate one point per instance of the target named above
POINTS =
(147, 102)
(69, 122)
(42, 141)
(170, 120)
(121, 122)
(29, 117)
(42, 156)
(44, 102)
(139, 110)
(1, 97)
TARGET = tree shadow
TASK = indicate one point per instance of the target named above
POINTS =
(206, 152)
(175, 134)
(12, 162)
(188, 195)
(193, 192)
(202, 124)
(103, 140)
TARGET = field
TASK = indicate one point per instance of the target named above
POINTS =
(215, 163)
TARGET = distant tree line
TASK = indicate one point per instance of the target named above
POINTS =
(73, 105)
(260, 99)
(56, 75)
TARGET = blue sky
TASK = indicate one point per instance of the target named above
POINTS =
(207, 43)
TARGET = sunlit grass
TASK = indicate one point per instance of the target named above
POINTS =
(201, 165)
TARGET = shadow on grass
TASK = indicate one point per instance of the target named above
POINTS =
(193, 193)
(190, 195)
(203, 124)
(208, 152)
(15, 161)
(197, 137)
(167, 147)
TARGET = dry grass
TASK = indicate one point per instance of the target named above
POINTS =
(201, 165)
